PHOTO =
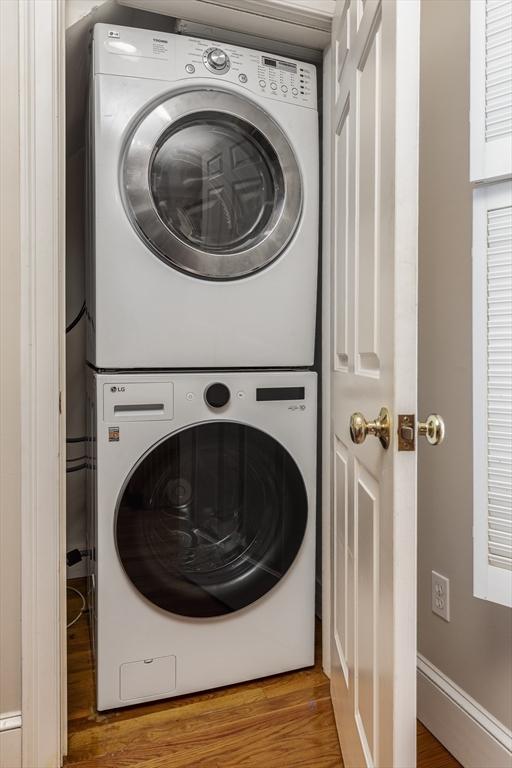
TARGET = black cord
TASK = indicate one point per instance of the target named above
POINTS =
(82, 439)
(76, 469)
(77, 319)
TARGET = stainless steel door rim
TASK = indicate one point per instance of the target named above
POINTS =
(143, 143)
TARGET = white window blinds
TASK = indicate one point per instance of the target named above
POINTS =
(491, 89)
(492, 353)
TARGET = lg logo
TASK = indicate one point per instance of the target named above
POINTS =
(117, 389)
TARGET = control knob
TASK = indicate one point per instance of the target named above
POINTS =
(217, 59)
(217, 395)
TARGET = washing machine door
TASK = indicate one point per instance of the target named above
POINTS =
(211, 519)
(211, 184)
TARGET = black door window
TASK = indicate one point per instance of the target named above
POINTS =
(211, 519)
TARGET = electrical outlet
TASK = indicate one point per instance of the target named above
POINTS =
(441, 596)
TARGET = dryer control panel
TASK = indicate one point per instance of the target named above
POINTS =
(162, 56)
(272, 76)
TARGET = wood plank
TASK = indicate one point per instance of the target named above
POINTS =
(285, 720)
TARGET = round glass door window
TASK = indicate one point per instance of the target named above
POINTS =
(215, 183)
(214, 190)
(211, 519)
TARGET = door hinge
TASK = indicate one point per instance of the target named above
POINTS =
(406, 432)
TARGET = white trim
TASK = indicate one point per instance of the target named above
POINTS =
(466, 729)
(325, 413)
(490, 582)
(9, 721)
(42, 220)
(405, 377)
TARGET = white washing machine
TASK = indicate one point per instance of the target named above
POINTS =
(202, 529)
(204, 204)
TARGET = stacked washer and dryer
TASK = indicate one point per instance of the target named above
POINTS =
(201, 307)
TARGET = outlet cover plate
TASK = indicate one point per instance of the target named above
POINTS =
(441, 596)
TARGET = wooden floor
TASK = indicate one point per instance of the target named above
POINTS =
(285, 721)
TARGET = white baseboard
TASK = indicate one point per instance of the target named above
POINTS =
(473, 736)
(10, 740)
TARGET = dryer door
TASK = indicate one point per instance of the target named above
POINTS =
(211, 184)
(211, 519)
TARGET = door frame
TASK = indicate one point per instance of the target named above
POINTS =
(42, 303)
(327, 490)
(42, 194)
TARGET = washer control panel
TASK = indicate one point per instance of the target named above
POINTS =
(272, 76)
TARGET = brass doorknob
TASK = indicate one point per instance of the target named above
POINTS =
(433, 429)
(381, 427)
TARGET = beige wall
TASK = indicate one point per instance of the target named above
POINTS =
(10, 669)
(475, 648)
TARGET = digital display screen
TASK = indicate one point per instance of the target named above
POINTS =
(267, 394)
(286, 65)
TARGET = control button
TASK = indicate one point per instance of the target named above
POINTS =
(242, 78)
(190, 395)
(284, 88)
(273, 86)
(240, 394)
(217, 59)
(217, 395)
(262, 83)
(190, 69)
(295, 91)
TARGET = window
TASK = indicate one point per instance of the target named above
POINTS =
(492, 391)
(491, 160)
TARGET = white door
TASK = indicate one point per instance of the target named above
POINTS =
(374, 213)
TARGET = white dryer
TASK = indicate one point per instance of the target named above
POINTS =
(204, 204)
(202, 528)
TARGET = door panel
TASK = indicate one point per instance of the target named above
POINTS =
(366, 682)
(340, 533)
(367, 213)
(340, 273)
(375, 84)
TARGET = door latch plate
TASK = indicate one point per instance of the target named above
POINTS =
(406, 432)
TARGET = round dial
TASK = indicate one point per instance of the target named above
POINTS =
(217, 58)
(217, 395)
